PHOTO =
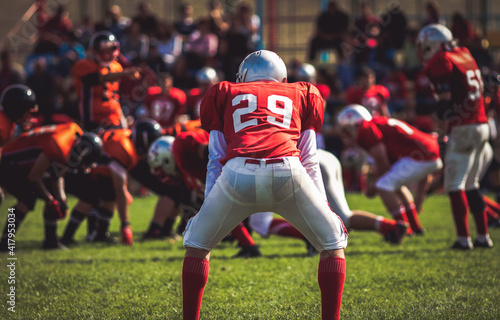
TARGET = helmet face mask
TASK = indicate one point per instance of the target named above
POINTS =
(160, 157)
(262, 65)
(105, 47)
(19, 104)
(144, 133)
(351, 117)
(86, 151)
(432, 39)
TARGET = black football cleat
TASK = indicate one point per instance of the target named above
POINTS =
(53, 245)
(396, 235)
(248, 252)
(483, 244)
(458, 246)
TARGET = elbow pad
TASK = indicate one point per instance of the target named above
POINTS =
(444, 111)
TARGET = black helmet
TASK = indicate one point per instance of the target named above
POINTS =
(16, 100)
(145, 131)
(86, 150)
(104, 41)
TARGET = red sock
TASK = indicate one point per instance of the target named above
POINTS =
(385, 225)
(282, 227)
(460, 210)
(331, 277)
(491, 213)
(241, 234)
(412, 215)
(399, 214)
(492, 205)
(194, 279)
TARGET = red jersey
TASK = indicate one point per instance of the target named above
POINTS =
(262, 119)
(458, 71)
(119, 147)
(193, 101)
(164, 107)
(185, 151)
(372, 99)
(55, 141)
(400, 139)
(99, 102)
(6, 128)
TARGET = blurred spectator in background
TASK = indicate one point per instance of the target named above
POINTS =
(479, 51)
(69, 52)
(367, 93)
(85, 30)
(425, 103)
(169, 44)
(116, 22)
(395, 23)
(44, 86)
(218, 21)
(9, 74)
(147, 21)
(411, 63)
(199, 51)
(155, 61)
(135, 43)
(185, 24)
(247, 24)
(52, 30)
(165, 103)
(331, 29)
(432, 14)
(462, 29)
(367, 30)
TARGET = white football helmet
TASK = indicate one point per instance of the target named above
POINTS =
(160, 156)
(433, 38)
(262, 65)
(306, 72)
(352, 116)
(207, 75)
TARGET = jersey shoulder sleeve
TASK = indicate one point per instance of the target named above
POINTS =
(179, 95)
(368, 135)
(85, 67)
(57, 145)
(212, 107)
(115, 66)
(312, 118)
(439, 67)
(119, 147)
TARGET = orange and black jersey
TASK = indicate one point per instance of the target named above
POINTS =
(99, 102)
(55, 141)
(177, 128)
(118, 146)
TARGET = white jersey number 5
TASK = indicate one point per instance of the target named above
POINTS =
(272, 105)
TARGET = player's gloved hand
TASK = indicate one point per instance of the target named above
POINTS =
(127, 236)
(54, 210)
(63, 206)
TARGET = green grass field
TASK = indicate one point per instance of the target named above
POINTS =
(421, 279)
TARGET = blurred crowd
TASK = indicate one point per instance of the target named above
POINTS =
(376, 61)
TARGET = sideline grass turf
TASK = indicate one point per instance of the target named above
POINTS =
(421, 279)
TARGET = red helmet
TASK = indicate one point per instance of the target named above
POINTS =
(105, 47)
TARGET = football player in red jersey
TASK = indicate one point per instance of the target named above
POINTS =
(205, 78)
(262, 157)
(97, 83)
(373, 96)
(165, 103)
(458, 86)
(403, 155)
(186, 156)
(48, 150)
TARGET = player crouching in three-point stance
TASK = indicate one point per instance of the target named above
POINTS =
(262, 157)
(458, 86)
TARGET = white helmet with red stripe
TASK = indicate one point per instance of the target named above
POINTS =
(432, 39)
(352, 116)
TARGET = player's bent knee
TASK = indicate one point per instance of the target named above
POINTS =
(197, 253)
(333, 253)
